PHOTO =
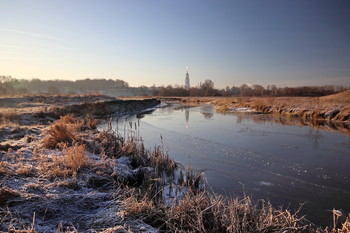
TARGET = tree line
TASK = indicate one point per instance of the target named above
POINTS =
(207, 89)
(10, 85)
(117, 87)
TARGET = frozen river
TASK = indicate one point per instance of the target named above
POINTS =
(287, 164)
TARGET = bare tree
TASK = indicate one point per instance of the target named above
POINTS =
(7, 84)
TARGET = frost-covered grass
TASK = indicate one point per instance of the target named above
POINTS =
(64, 131)
(66, 187)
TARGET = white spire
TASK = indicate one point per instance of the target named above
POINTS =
(187, 80)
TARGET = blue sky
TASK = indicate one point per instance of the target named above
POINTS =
(287, 43)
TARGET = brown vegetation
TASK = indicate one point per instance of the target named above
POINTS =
(75, 157)
(72, 160)
(61, 132)
(206, 212)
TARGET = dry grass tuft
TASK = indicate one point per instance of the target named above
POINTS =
(53, 167)
(345, 226)
(142, 207)
(63, 131)
(162, 162)
(108, 143)
(16, 166)
(75, 157)
(89, 120)
(136, 151)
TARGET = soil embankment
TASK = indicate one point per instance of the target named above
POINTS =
(28, 110)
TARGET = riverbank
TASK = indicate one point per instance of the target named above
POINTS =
(328, 108)
(64, 175)
(56, 170)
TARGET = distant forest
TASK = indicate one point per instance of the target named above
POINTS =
(12, 86)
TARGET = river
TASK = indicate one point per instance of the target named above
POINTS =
(255, 155)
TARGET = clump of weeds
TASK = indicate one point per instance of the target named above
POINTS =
(63, 131)
(72, 160)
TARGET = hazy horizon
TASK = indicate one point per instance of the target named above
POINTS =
(286, 43)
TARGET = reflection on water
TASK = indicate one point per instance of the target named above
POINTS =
(206, 111)
(342, 127)
(187, 116)
(288, 161)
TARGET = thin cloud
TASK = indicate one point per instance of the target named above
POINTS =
(13, 47)
(27, 33)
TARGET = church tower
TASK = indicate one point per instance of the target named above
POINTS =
(187, 80)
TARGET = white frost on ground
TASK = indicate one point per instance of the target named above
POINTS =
(266, 183)
(242, 110)
(87, 203)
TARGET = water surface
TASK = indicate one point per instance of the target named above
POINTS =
(287, 164)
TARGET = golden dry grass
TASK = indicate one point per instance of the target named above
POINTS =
(72, 160)
(206, 212)
(63, 131)
(75, 157)
(342, 97)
